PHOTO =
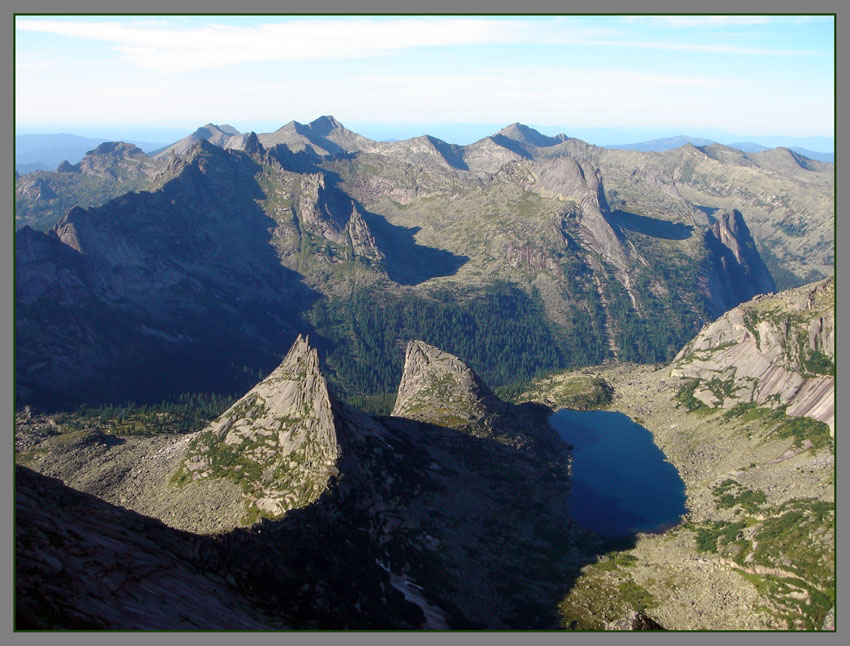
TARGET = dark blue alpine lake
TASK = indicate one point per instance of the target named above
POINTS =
(621, 482)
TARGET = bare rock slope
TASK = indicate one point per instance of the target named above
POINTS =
(83, 564)
(774, 350)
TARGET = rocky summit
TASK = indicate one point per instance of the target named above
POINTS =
(438, 388)
(279, 441)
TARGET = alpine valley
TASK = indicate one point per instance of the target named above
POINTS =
(303, 380)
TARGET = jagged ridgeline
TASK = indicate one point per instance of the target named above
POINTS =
(522, 253)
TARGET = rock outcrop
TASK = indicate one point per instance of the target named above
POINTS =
(438, 388)
(739, 273)
(637, 620)
(279, 441)
(580, 182)
(774, 350)
(108, 157)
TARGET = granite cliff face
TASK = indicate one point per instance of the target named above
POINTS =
(776, 350)
(739, 272)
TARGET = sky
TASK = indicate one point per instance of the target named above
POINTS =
(746, 74)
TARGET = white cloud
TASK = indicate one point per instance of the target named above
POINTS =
(579, 86)
(154, 47)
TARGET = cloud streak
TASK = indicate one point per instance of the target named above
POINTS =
(734, 50)
(156, 47)
(217, 46)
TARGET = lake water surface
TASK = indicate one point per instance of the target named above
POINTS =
(621, 483)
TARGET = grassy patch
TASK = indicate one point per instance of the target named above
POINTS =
(578, 392)
(818, 363)
(780, 425)
(636, 596)
(614, 560)
(717, 533)
(799, 604)
(799, 539)
(731, 494)
(685, 396)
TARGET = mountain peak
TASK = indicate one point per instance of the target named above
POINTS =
(252, 144)
(279, 441)
(439, 388)
(528, 135)
(117, 148)
(213, 127)
(217, 135)
(324, 125)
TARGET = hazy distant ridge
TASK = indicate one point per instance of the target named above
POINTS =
(670, 143)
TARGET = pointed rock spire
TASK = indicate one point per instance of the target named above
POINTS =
(439, 388)
(253, 145)
(279, 441)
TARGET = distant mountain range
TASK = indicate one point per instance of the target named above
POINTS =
(46, 152)
(670, 143)
(251, 238)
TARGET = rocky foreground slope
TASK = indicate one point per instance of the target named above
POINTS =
(83, 564)
(324, 517)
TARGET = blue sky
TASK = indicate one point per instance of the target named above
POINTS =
(754, 75)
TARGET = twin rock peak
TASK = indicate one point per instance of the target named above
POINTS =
(283, 440)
